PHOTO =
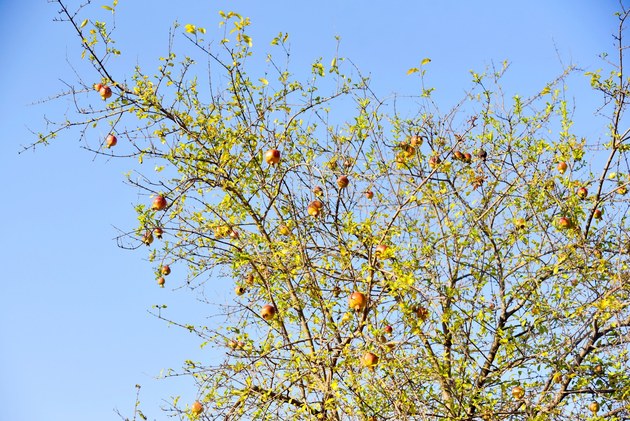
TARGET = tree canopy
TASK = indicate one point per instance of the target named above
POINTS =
(390, 260)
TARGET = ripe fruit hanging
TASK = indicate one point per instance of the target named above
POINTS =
(582, 192)
(272, 156)
(196, 408)
(240, 290)
(110, 141)
(562, 167)
(158, 232)
(165, 270)
(415, 140)
(593, 407)
(408, 151)
(518, 392)
(98, 86)
(105, 91)
(597, 214)
(369, 194)
(318, 191)
(357, 301)
(161, 281)
(369, 360)
(343, 182)
(147, 238)
(268, 312)
(388, 329)
(315, 208)
(159, 203)
(564, 223)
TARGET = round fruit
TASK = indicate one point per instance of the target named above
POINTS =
(597, 214)
(315, 208)
(105, 91)
(159, 203)
(357, 301)
(518, 392)
(369, 194)
(147, 238)
(110, 141)
(158, 232)
(161, 281)
(166, 270)
(564, 223)
(562, 167)
(196, 408)
(369, 360)
(343, 182)
(239, 290)
(318, 191)
(388, 329)
(272, 156)
(98, 86)
(415, 140)
(593, 407)
(268, 312)
(582, 192)
(409, 151)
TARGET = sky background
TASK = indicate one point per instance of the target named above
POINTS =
(75, 332)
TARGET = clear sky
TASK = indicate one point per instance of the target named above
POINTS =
(75, 334)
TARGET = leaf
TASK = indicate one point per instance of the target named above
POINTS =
(108, 8)
(413, 70)
(425, 60)
(546, 91)
(190, 28)
(84, 23)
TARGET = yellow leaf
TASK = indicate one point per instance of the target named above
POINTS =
(413, 70)
(107, 8)
(546, 91)
(84, 23)
(190, 28)
(425, 61)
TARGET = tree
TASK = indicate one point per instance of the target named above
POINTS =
(391, 261)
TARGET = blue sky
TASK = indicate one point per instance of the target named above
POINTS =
(75, 334)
